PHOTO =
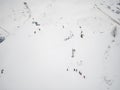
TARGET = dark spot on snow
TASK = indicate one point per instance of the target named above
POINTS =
(74, 69)
(117, 12)
(32, 18)
(118, 3)
(27, 10)
(80, 73)
(108, 7)
(36, 23)
(67, 69)
(113, 10)
(84, 76)
(18, 26)
(2, 39)
(25, 3)
(114, 32)
(80, 27)
(39, 29)
(118, 8)
(34, 32)
(63, 26)
(69, 37)
(66, 38)
(113, 41)
(81, 35)
(2, 71)
(73, 53)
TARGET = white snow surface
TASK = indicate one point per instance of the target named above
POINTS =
(60, 45)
